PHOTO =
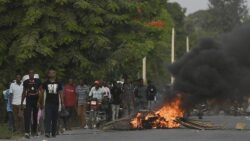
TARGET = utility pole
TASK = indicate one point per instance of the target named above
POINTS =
(144, 70)
(173, 51)
(187, 44)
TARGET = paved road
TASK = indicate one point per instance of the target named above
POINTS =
(153, 135)
(183, 134)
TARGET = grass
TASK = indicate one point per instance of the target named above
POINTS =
(4, 132)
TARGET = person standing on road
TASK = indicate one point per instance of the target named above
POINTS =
(69, 102)
(6, 99)
(106, 101)
(151, 94)
(16, 90)
(82, 92)
(9, 109)
(31, 93)
(140, 96)
(54, 92)
(116, 100)
(128, 98)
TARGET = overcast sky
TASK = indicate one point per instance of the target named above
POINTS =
(194, 5)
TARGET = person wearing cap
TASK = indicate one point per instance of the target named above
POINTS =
(96, 91)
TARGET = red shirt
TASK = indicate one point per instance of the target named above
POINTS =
(69, 95)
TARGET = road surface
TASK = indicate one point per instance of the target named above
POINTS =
(182, 134)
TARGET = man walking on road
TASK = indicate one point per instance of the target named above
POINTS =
(31, 93)
(69, 102)
(16, 90)
(82, 92)
(53, 90)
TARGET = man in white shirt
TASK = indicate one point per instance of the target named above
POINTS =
(16, 90)
(96, 91)
(106, 101)
(106, 91)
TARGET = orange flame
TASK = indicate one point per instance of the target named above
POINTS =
(163, 118)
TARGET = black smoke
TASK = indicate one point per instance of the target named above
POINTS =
(215, 69)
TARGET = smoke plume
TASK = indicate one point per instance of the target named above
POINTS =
(215, 69)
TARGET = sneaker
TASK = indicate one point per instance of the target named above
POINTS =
(86, 127)
(94, 126)
(47, 135)
(27, 135)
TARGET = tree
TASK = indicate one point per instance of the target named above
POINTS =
(178, 15)
(227, 14)
(197, 25)
(222, 16)
(82, 38)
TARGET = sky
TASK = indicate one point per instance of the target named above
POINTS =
(195, 5)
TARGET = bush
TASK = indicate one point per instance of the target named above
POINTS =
(4, 132)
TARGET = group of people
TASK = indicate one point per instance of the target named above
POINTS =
(31, 100)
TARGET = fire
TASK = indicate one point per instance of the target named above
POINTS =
(163, 118)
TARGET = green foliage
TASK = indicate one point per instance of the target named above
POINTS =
(178, 15)
(222, 16)
(82, 38)
(227, 14)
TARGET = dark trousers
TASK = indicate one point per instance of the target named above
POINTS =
(31, 108)
(11, 122)
(67, 120)
(51, 117)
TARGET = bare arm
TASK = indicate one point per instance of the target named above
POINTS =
(23, 96)
(41, 98)
(61, 97)
(91, 92)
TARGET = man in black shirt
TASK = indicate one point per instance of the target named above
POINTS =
(116, 101)
(31, 93)
(51, 91)
(151, 94)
